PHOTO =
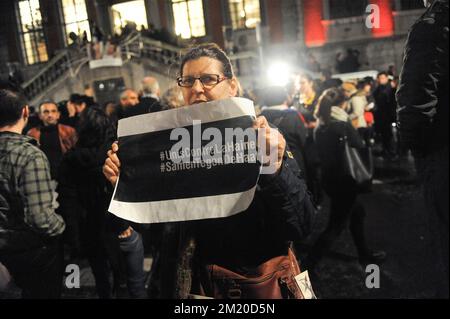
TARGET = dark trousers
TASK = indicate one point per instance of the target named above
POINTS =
(384, 130)
(104, 255)
(345, 208)
(37, 272)
(313, 170)
(99, 258)
(133, 250)
(433, 172)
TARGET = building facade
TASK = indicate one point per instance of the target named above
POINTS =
(309, 33)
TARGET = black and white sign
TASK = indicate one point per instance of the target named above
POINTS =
(197, 162)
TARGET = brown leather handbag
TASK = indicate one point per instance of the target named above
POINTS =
(273, 279)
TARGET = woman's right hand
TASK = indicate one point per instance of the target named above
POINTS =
(111, 169)
(126, 234)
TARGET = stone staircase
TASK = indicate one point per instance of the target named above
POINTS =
(69, 70)
(69, 63)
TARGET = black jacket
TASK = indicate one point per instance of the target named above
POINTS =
(384, 105)
(82, 185)
(85, 194)
(423, 91)
(327, 138)
(146, 105)
(293, 129)
(281, 211)
(27, 216)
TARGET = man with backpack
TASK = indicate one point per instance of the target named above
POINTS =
(29, 227)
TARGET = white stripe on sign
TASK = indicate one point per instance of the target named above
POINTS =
(183, 209)
(205, 112)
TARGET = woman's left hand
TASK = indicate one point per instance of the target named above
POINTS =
(274, 140)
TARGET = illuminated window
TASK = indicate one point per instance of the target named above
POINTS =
(132, 13)
(244, 13)
(347, 8)
(189, 18)
(31, 32)
(75, 19)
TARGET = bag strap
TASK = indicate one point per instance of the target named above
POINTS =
(302, 118)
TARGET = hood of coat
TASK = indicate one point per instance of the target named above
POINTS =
(339, 114)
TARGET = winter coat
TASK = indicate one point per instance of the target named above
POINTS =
(67, 136)
(84, 194)
(27, 214)
(290, 124)
(422, 95)
(357, 106)
(328, 139)
(281, 211)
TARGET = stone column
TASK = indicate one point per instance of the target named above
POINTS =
(104, 16)
(53, 27)
(153, 17)
(275, 20)
(214, 19)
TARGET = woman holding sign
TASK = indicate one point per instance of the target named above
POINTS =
(281, 210)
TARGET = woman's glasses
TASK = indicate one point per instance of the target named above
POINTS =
(208, 81)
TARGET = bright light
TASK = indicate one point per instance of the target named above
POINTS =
(278, 74)
(130, 11)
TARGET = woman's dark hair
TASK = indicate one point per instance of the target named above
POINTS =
(80, 99)
(11, 106)
(329, 98)
(362, 83)
(95, 128)
(209, 50)
(76, 98)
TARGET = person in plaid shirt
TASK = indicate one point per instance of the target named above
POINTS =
(29, 227)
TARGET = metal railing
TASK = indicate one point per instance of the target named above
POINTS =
(63, 62)
(71, 60)
(163, 56)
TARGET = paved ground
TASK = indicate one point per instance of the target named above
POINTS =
(396, 223)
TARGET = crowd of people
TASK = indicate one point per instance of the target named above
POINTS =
(76, 134)
(313, 118)
(74, 137)
(69, 149)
